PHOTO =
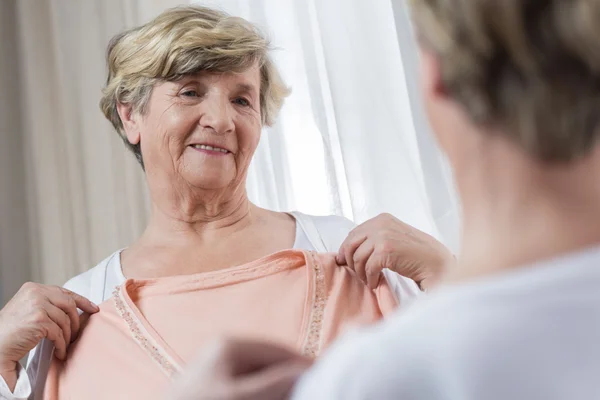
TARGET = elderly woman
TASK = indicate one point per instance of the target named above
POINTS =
(189, 93)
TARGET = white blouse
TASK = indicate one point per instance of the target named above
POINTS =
(315, 233)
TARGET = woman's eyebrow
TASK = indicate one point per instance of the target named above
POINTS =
(246, 87)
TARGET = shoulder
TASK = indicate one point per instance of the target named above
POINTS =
(333, 229)
(478, 345)
(84, 283)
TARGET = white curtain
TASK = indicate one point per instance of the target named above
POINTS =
(14, 242)
(351, 140)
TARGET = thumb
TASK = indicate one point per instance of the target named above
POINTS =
(340, 257)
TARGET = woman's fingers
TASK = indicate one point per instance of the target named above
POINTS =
(55, 334)
(81, 302)
(69, 302)
(66, 305)
(245, 356)
(349, 247)
(241, 369)
(37, 312)
(358, 253)
(360, 258)
(273, 382)
(373, 269)
(394, 245)
(63, 321)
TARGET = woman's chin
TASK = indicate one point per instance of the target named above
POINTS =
(209, 182)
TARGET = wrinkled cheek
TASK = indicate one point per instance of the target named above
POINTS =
(251, 141)
(242, 163)
(248, 138)
(152, 153)
(161, 157)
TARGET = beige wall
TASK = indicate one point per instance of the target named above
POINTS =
(70, 193)
(14, 242)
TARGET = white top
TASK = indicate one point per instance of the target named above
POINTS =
(528, 334)
(322, 234)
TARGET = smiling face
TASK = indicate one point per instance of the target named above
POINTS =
(200, 131)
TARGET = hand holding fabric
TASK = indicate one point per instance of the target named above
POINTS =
(34, 313)
(387, 242)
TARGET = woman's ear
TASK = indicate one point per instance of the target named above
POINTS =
(431, 74)
(450, 123)
(131, 122)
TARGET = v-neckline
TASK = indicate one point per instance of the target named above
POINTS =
(167, 358)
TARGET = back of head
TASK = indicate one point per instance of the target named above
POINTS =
(528, 67)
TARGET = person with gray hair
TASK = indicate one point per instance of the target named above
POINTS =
(189, 93)
(512, 90)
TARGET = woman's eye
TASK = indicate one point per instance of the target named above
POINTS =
(190, 93)
(242, 102)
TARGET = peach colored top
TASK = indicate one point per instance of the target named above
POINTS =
(151, 328)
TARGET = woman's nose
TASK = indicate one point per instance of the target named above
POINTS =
(217, 114)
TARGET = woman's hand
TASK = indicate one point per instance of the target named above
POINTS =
(34, 313)
(387, 242)
(240, 370)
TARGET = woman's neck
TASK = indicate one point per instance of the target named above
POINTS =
(201, 222)
(541, 233)
(519, 212)
(239, 232)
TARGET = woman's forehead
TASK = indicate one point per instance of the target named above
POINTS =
(248, 79)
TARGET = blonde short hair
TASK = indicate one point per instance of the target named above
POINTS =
(182, 41)
(530, 67)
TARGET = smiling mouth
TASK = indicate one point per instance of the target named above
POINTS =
(210, 148)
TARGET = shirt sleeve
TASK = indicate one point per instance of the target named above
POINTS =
(22, 389)
(38, 365)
